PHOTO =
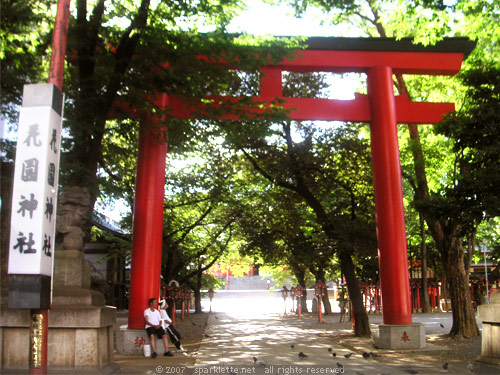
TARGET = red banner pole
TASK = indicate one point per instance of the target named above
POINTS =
(59, 42)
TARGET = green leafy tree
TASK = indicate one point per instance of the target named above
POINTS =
(25, 32)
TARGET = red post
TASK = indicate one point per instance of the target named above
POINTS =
(418, 297)
(148, 224)
(320, 312)
(183, 302)
(391, 230)
(59, 41)
(173, 312)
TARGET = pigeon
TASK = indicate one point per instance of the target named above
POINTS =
(412, 371)
(292, 346)
(330, 350)
(302, 355)
(193, 323)
(373, 354)
(258, 363)
(471, 367)
(216, 317)
(341, 367)
(441, 325)
(334, 354)
(366, 355)
(347, 355)
(445, 366)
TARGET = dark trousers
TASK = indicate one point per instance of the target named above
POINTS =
(175, 336)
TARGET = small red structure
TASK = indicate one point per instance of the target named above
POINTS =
(320, 290)
(299, 293)
(379, 59)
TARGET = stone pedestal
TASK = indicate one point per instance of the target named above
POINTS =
(490, 339)
(78, 336)
(406, 336)
(132, 341)
(80, 325)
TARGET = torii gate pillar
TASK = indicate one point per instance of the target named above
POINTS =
(397, 331)
(147, 225)
(391, 229)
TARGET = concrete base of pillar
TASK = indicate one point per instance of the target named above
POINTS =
(78, 336)
(132, 341)
(406, 336)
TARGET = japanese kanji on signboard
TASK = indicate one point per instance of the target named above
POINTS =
(35, 182)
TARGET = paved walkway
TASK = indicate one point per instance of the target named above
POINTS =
(233, 342)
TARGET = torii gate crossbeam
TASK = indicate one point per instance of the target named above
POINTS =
(379, 59)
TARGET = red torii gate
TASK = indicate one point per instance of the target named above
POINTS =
(379, 59)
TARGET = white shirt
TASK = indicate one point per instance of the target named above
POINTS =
(165, 319)
(154, 317)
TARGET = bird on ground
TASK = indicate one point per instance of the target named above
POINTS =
(258, 363)
(445, 366)
(216, 317)
(330, 350)
(193, 323)
(302, 355)
(292, 346)
(340, 367)
(412, 371)
(373, 354)
(471, 367)
(366, 355)
(441, 325)
(348, 355)
(334, 354)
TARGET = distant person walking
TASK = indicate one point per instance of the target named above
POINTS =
(152, 319)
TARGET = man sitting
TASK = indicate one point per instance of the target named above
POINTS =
(152, 318)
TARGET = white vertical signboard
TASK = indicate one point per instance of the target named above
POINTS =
(34, 197)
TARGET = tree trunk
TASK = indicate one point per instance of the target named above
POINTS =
(327, 304)
(471, 245)
(303, 300)
(197, 291)
(425, 289)
(320, 279)
(361, 322)
(449, 244)
(464, 322)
